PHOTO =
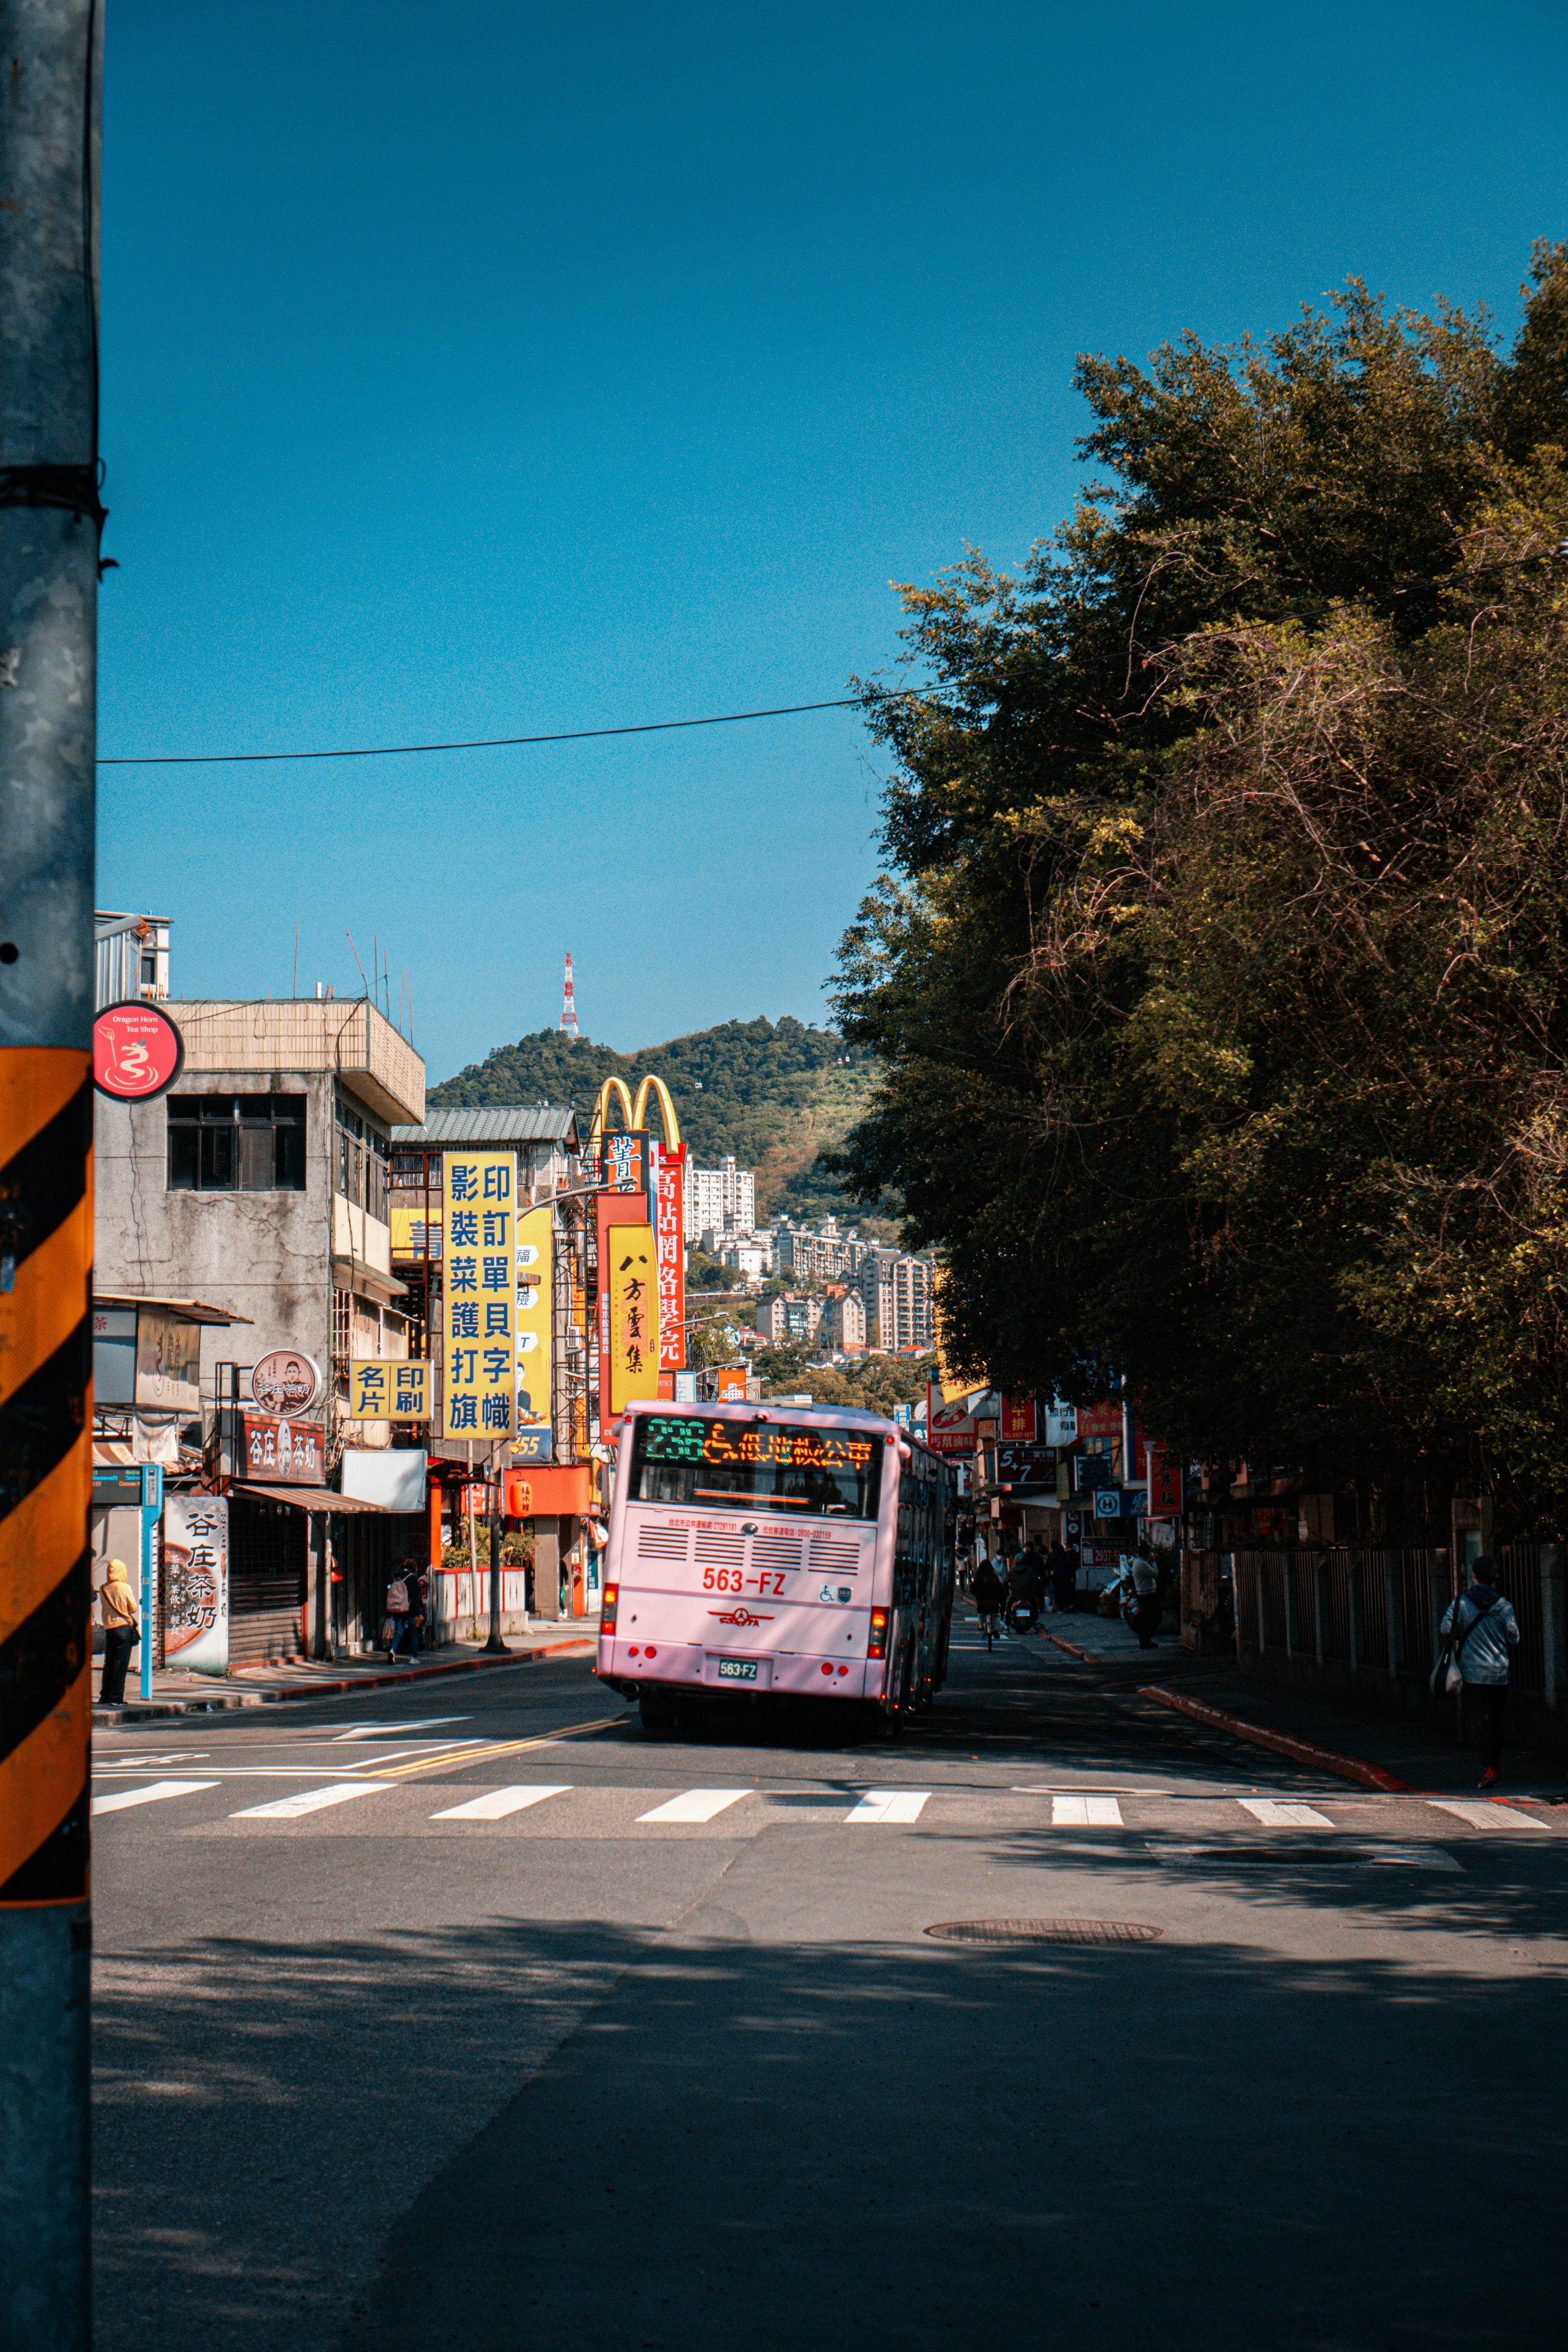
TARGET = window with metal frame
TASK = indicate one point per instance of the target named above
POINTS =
(236, 1143)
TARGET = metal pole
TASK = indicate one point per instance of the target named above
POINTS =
(50, 519)
(473, 1544)
(495, 1646)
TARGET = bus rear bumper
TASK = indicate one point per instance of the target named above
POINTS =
(682, 1665)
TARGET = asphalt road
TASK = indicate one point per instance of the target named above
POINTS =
(547, 2031)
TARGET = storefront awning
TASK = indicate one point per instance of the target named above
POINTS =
(308, 1498)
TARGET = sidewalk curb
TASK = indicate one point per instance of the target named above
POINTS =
(1072, 1648)
(226, 1699)
(1301, 1751)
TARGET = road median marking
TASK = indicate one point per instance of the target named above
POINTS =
(501, 1748)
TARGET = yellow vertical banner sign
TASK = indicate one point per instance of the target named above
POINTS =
(534, 1310)
(479, 1315)
(634, 1314)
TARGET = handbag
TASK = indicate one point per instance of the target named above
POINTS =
(388, 1632)
(1447, 1679)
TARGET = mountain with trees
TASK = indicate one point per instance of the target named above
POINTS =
(776, 1095)
(1218, 983)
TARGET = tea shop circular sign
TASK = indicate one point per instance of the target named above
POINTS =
(285, 1382)
(137, 1052)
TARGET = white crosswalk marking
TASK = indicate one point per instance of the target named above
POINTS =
(310, 1800)
(1486, 1817)
(695, 1805)
(497, 1803)
(1084, 1812)
(1284, 1814)
(890, 1805)
(151, 1795)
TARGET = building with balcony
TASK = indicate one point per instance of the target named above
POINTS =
(258, 1183)
(723, 1198)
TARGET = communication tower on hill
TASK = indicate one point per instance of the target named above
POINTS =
(569, 1006)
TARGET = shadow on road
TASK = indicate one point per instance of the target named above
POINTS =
(514, 2134)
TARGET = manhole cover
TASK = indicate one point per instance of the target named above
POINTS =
(1045, 1931)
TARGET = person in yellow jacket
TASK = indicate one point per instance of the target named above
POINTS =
(121, 1631)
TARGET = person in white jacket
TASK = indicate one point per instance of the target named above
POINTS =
(1486, 1629)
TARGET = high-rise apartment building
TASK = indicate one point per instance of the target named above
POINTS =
(723, 1198)
(896, 1293)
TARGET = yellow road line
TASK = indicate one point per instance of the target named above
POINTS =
(502, 1748)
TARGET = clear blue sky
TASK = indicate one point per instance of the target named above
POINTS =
(495, 370)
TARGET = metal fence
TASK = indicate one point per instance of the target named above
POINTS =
(1378, 1610)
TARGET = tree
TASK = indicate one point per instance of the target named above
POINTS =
(1219, 981)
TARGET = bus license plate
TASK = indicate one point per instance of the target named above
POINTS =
(736, 1670)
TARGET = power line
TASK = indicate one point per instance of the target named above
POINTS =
(480, 743)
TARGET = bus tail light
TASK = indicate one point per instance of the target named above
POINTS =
(877, 1646)
(607, 1621)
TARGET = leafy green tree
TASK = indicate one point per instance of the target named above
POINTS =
(1219, 976)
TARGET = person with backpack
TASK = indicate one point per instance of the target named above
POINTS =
(1485, 1629)
(397, 1610)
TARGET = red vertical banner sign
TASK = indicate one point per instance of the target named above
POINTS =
(669, 1232)
(1018, 1419)
(1164, 1483)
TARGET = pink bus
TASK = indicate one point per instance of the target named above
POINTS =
(759, 1549)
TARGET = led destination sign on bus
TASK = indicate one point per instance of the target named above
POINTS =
(717, 1441)
(679, 1458)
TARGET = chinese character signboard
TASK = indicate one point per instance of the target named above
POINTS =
(406, 1217)
(669, 1235)
(381, 1388)
(283, 1453)
(629, 1159)
(633, 1292)
(950, 1424)
(611, 1212)
(195, 1582)
(1017, 1417)
(534, 1310)
(1164, 1484)
(1026, 1464)
(479, 1315)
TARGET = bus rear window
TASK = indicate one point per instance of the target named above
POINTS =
(755, 1466)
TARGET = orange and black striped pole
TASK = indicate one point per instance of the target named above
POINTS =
(49, 522)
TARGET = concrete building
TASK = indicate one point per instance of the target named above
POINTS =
(784, 1319)
(132, 956)
(258, 1185)
(896, 1293)
(844, 1322)
(821, 1255)
(545, 1138)
(750, 1254)
(724, 1198)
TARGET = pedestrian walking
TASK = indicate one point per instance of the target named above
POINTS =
(396, 1609)
(417, 1581)
(1485, 1629)
(1060, 1574)
(121, 1631)
(1144, 1603)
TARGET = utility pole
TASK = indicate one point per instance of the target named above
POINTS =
(49, 522)
(495, 1646)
